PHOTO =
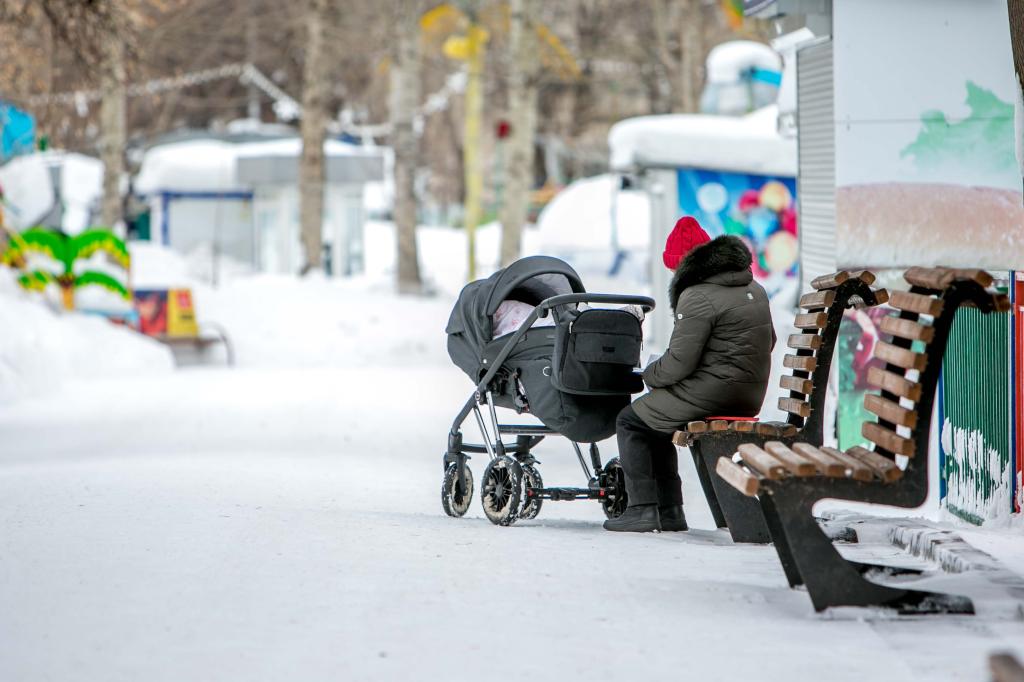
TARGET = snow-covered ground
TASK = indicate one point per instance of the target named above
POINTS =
(281, 520)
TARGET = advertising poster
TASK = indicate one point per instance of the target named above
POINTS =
(166, 312)
(925, 165)
(926, 175)
(759, 209)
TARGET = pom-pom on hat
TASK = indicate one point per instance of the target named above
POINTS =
(684, 237)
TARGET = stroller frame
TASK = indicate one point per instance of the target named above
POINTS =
(605, 483)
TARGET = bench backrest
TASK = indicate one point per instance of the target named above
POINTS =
(815, 345)
(918, 335)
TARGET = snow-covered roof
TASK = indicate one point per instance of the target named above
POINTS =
(191, 166)
(744, 144)
(727, 61)
(292, 147)
(213, 165)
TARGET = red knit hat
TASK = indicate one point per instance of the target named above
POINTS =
(684, 237)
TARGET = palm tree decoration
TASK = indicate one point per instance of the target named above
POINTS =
(66, 250)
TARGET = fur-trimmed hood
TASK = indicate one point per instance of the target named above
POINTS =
(725, 254)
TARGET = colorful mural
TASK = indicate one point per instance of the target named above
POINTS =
(925, 175)
(757, 208)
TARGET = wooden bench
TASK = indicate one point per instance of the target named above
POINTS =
(788, 477)
(803, 399)
(209, 335)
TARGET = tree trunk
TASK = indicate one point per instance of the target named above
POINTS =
(1015, 9)
(112, 129)
(314, 131)
(691, 55)
(404, 96)
(67, 296)
(522, 97)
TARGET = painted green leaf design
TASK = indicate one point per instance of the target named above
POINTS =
(101, 279)
(35, 280)
(49, 243)
(982, 142)
(96, 239)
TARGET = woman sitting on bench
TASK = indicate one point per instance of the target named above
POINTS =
(717, 362)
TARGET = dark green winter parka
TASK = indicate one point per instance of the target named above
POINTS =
(719, 357)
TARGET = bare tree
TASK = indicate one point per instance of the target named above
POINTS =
(1015, 9)
(522, 99)
(692, 53)
(315, 85)
(113, 127)
(403, 99)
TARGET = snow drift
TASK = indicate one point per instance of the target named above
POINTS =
(41, 349)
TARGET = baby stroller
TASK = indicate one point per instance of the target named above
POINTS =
(574, 376)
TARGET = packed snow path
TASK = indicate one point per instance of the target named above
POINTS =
(286, 524)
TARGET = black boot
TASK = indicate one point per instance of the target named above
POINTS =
(672, 518)
(642, 518)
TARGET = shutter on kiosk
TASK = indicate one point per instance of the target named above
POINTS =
(817, 154)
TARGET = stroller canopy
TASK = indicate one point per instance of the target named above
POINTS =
(530, 280)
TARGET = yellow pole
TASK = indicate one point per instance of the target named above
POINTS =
(476, 40)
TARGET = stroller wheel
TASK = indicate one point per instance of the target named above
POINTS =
(454, 499)
(531, 505)
(501, 490)
(614, 482)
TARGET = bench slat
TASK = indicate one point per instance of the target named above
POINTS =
(738, 477)
(742, 426)
(775, 429)
(719, 425)
(681, 439)
(901, 357)
(794, 406)
(858, 471)
(865, 276)
(973, 275)
(818, 300)
(883, 466)
(894, 383)
(830, 281)
(916, 303)
(936, 279)
(881, 296)
(807, 363)
(697, 427)
(794, 463)
(756, 458)
(810, 320)
(890, 411)
(887, 439)
(907, 329)
(810, 341)
(798, 384)
(825, 463)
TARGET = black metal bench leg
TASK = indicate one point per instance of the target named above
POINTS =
(780, 541)
(742, 514)
(833, 581)
(706, 483)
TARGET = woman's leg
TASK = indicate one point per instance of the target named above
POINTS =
(665, 458)
(641, 450)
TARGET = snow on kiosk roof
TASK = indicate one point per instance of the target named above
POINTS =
(746, 144)
(211, 165)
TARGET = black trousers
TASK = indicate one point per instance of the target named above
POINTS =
(649, 460)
